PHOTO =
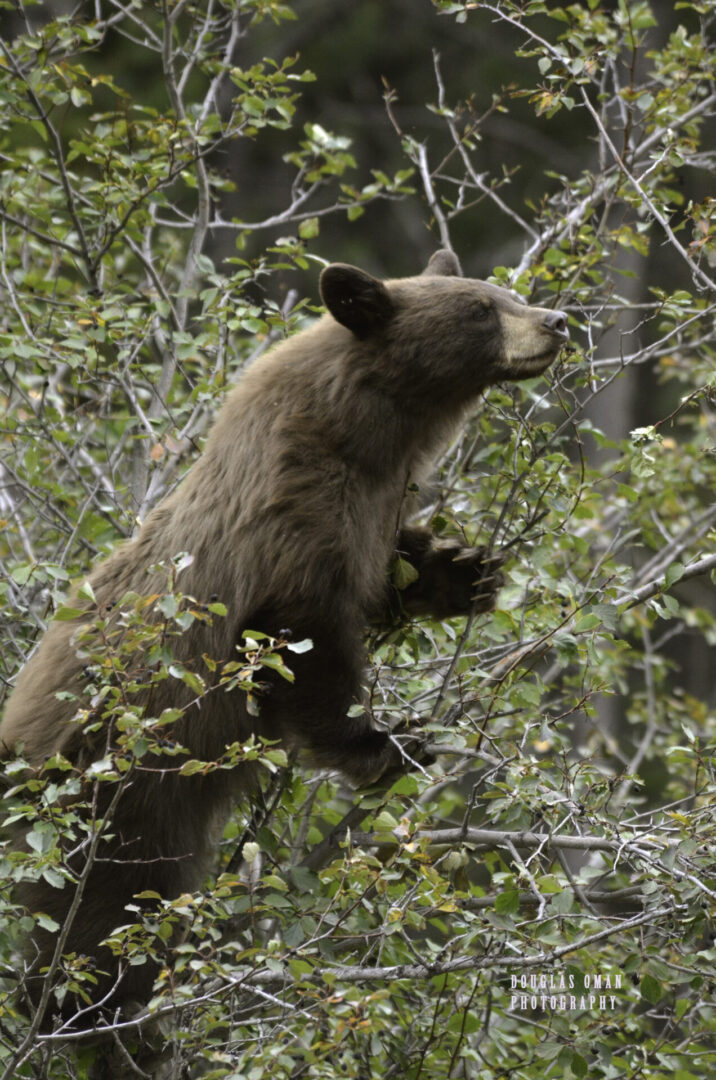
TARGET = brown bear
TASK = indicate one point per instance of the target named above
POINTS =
(293, 516)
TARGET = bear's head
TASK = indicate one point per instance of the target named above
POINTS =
(446, 334)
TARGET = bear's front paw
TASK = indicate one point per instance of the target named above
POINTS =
(453, 580)
(478, 577)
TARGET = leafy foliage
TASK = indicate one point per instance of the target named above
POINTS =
(562, 838)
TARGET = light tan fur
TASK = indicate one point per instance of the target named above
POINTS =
(293, 516)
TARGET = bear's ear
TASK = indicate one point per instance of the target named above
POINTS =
(355, 299)
(443, 264)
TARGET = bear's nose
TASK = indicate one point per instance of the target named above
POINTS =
(556, 321)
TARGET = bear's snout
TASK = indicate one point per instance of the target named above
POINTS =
(556, 323)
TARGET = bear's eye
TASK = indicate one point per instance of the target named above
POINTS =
(480, 312)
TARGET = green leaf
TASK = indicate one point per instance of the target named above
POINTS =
(309, 228)
(507, 902)
(275, 663)
(650, 989)
(47, 923)
(300, 968)
(276, 757)
(406, 785)
(189, 678)
(54, 878)
(578, 1065)
(66, 614)
(87, 591)
(608, 615)
(404, 573)
(385, 821)
(21, 574)
(304, 879)
(191, 768)
(673, 574)
(168, 605)
(682, 1007)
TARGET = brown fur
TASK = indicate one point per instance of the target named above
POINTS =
(293, 516)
